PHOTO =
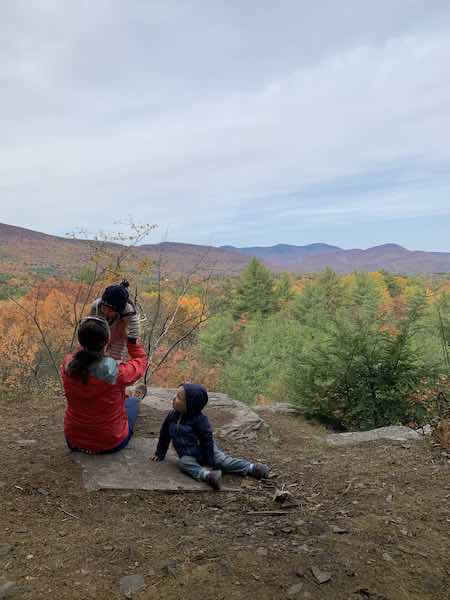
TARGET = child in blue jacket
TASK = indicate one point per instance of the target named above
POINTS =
(191, 434)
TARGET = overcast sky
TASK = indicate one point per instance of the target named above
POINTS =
(229, 122)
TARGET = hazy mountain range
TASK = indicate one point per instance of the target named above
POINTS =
(24, 249)
(315, 257)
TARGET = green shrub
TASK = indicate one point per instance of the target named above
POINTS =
(354, 371)
(258, 367)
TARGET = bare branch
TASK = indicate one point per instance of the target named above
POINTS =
(202, 318)
(176, 343)
(42, 334)
(158, 304)
(87, 297)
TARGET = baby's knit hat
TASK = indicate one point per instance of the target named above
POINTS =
(116, 297)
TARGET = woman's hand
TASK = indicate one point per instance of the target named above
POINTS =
(138, 390)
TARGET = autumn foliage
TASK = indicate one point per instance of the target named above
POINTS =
(261, 337)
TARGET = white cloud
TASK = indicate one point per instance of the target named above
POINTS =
(198, 118)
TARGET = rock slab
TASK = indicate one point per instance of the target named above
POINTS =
(131, 469)
(394, 433)
(243, 422)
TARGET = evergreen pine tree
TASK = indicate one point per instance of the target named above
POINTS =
(283, 290)
(319, 300)
(255, 295)
(351, 370)
(216, 340)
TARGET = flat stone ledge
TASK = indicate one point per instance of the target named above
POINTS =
(393, 433)
(132, 469)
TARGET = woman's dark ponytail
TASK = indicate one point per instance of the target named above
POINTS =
(80, 363)
(93, 335)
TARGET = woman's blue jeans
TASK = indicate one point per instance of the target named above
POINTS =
(132, 406)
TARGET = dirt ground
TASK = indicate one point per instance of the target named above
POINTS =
(375, 518)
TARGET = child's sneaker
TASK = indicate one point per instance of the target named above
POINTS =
(259, 471)
(214, 479)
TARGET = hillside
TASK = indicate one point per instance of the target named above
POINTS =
(23, 250)
(179, 257)
(26, 251)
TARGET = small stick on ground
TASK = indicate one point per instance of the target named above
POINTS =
(347, 489)
(270, 512)
(68, 513)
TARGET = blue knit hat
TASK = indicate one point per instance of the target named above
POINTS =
(116, 297)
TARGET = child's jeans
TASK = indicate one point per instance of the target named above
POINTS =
(132, 406)
(222, 461)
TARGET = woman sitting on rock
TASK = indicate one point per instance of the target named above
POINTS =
(99, 419)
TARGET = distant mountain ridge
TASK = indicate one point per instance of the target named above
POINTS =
(284, 256)
(316, 257)
(34, 249)
(26, 251)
